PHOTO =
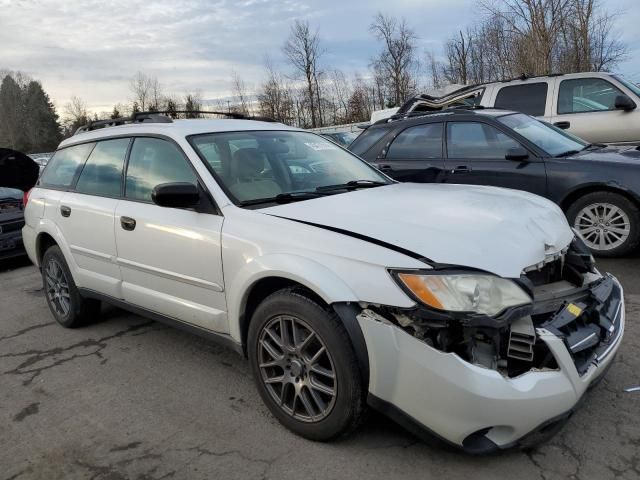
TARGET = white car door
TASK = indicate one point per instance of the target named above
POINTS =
(85, 212)
(170, 258)
(586, 107)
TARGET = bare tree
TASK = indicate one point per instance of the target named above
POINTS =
(75, 113)
(302, 48)
(141, 87)
(397, 60)
(240, 92)
(274, 98)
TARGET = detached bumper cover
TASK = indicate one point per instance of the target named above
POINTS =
(458, 401)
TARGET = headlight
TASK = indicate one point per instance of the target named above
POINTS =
(465, 292)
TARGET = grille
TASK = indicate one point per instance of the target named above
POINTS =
(590, 327)
(11, 226)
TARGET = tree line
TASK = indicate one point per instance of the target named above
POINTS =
(28, 118)
(509, 39)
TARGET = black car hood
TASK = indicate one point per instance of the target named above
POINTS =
(17, 170)
(628, 155)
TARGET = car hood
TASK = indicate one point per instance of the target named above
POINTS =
(628, 155)
(17, 170)
(492, 229)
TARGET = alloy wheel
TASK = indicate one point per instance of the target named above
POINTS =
(297, 369)
(603, 226)
(57, 288)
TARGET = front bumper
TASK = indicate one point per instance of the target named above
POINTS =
(476, 408)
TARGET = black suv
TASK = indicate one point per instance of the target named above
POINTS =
(598, 187)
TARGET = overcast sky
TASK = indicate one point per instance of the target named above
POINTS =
(91, 48)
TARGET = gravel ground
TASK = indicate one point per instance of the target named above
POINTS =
(126, 397)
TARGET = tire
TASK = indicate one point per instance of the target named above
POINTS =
(585, 214)
(301, 410)
(60, 291)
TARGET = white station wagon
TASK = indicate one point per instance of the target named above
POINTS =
(469, 314)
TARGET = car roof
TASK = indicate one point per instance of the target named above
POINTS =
(176, 129)
(437, 116)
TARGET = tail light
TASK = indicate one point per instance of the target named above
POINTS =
(25, 197)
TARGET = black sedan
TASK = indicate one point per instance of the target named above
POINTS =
(598, 187)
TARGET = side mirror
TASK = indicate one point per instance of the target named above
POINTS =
(517, 154)
(624, 103)
(176, 195)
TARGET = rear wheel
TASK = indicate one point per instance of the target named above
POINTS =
(608, 222)
(68, 307)
(305, 367)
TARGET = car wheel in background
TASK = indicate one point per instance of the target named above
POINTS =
(608, 222)
(68, 307)
(305, 367)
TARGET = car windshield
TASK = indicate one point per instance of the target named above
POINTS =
(257, 167)
(549, 139)
(631, 86)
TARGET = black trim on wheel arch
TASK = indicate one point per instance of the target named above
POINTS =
(348, 313)
(220, 338)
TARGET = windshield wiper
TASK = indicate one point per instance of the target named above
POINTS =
(567, 153)
(352, 185)
(594, 146)
(287, 197)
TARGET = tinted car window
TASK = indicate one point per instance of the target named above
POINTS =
(64, 166)
(586, 95)
(366, 140)
(530, 98)
(153, 161)
(477, 140)
(421, 141)
(102, 174)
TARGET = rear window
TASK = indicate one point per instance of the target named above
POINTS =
(530, 98)
(65, 166)
(366, 140)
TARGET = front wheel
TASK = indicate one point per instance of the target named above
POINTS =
(305, 367)
(608, 222)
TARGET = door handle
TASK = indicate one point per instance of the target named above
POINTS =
(127, 223)
(461, 169)
(384, 168)
(563, 125)
(65, 211)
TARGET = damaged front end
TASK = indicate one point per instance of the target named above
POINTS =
(566, 297)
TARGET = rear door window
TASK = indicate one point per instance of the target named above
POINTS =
(477, 140)
(102, 174)
(421, 141)
(530, 98)
(65, 165)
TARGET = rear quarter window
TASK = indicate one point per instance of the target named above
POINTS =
(65, 165)
(530, 98)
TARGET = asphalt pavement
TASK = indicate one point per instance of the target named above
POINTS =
(128, 398)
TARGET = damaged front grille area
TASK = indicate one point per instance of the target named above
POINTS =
(570, 299)
(591, 326)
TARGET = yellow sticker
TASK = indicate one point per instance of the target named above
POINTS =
(574, 309)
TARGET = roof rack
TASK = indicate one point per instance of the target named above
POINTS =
(163, 116)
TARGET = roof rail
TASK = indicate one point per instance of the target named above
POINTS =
(164, 116)
(524, 76)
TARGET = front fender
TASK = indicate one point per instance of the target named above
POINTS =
(313, 275)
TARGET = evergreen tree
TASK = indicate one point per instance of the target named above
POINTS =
(116, 113)
(12, 115)
(172, 108)
(43, 129)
